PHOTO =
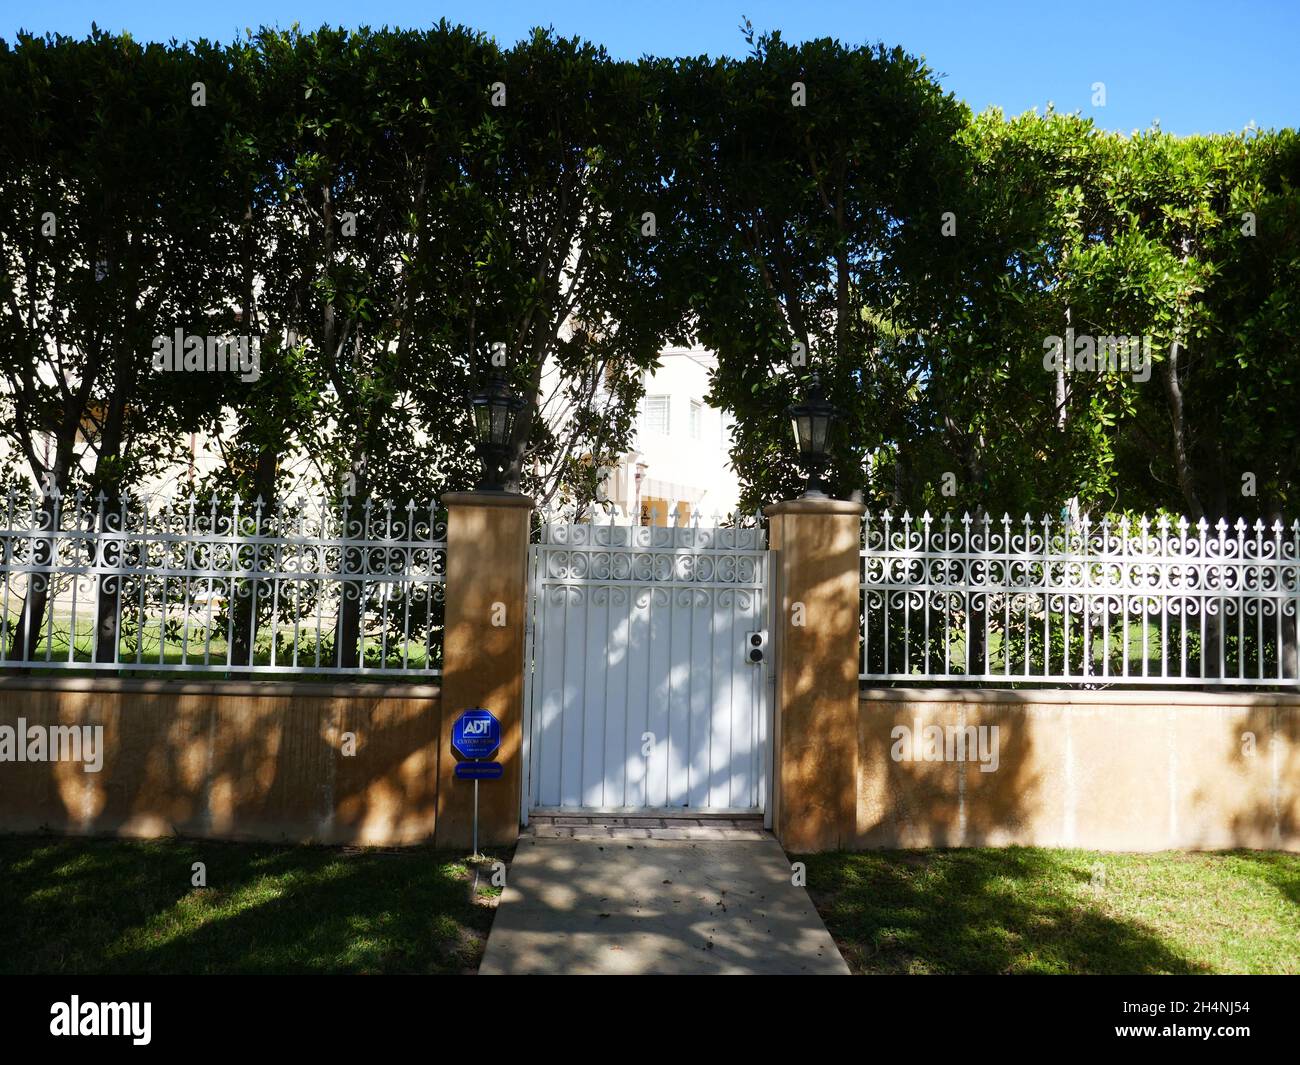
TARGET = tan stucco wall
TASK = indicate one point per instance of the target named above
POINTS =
(229, 760)
(1100, 770)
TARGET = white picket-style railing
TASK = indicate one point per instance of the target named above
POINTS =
(221, 586)
(1079, 602)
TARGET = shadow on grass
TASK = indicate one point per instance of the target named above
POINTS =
(1278, 870)
(110, 906)
(977, 911)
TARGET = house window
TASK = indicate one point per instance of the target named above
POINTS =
(697, 420)
(654, 415)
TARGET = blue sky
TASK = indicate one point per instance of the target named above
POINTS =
(1192, 65)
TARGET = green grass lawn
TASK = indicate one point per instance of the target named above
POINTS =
(172, 646)
(113, 906)
(1031, 910)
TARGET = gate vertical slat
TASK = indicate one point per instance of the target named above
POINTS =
(738, 756)
(719, 701)
(591, 783)
(638, 697)
(679, 710)
(571, 721)
(700, 722)
(615, 708)
(659, 681)
(531, 667)
(554, 637)
(748, 704)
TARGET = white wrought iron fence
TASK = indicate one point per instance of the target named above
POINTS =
(222, 586)
(1047, 600)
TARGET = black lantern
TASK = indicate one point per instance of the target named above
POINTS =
(495, 410)
(812, 432)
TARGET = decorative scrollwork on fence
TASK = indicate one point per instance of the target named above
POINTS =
(1079, 602)
(644, 554)
(221, 585)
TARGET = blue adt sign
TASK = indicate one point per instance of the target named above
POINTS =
(476, 734)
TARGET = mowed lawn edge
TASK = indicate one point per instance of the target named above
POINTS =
(1040, 910)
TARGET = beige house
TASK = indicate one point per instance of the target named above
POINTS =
(680, 459)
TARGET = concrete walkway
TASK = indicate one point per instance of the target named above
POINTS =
(599, 904)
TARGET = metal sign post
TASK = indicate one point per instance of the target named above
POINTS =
(475, 736)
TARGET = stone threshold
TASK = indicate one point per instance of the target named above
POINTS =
(598, 826)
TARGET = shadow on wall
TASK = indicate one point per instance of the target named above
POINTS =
(1264, 742)
(951, 774)
(817, 745)
(230, 764)
(1109, 771)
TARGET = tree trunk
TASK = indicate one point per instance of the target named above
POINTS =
(27, 633)
(245, 608)
(1215, 630)
(1182, 461)
(352, 587)
(514, 471)
(109, 590)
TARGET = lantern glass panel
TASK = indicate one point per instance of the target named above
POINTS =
(819, 426)
(803, 433)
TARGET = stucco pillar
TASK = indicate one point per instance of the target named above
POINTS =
(483, 657)
(815, 754)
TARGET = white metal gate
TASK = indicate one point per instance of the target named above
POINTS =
(640, 691)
